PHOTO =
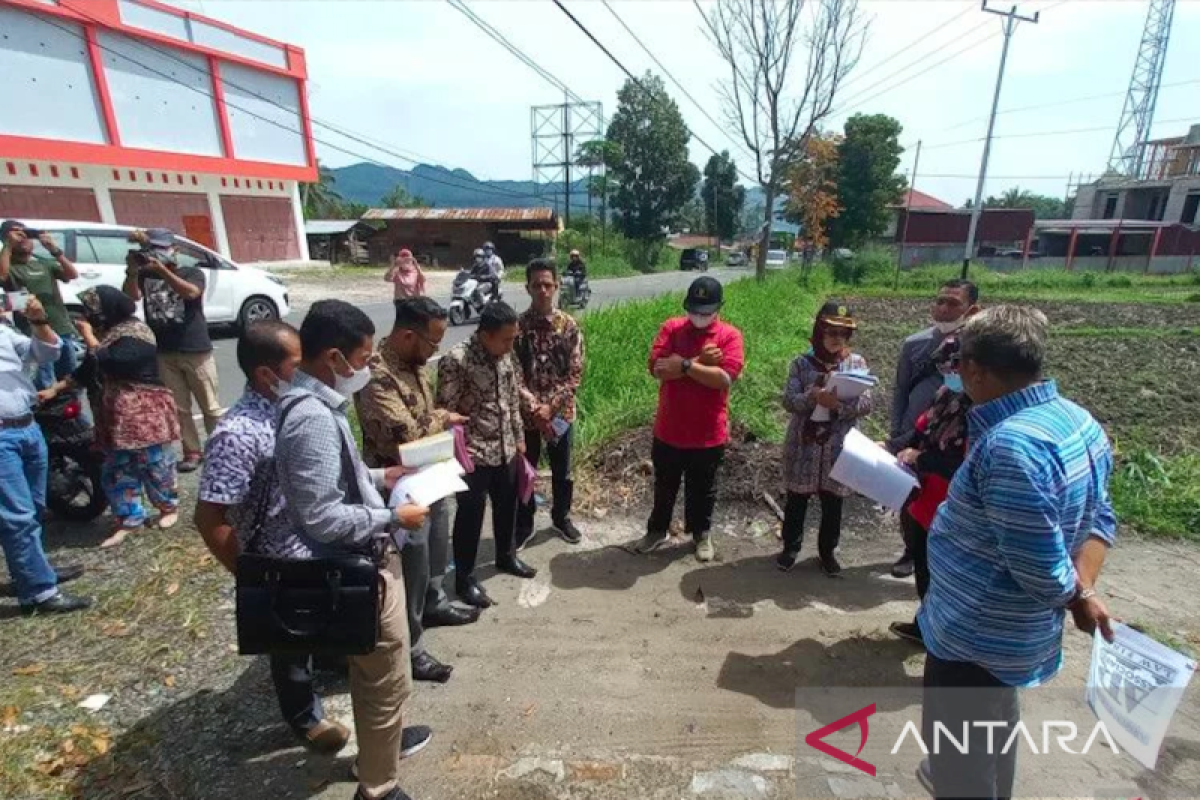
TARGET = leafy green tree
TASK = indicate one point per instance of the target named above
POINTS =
(399, 197)
(320, 199)
(653, 176)
(1043, 206)
(722, 196)
(867, 181)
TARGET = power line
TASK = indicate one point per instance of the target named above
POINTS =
(1038, 134)
(504, 42)
(276, 123)
(918, 40)
(638, 83)
(678, 85)
(361, 138)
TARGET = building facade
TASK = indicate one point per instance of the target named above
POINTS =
(446, 237)
(1166, 190)
(134, 112)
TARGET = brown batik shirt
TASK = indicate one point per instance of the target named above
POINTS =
(486, 390)
(395, 408)
(550, 351)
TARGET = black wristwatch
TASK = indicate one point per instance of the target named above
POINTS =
(55, 253)
(685, 366)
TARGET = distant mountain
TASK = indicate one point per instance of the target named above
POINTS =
(445, 188)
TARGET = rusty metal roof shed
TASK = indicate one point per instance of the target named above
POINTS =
(529, 218)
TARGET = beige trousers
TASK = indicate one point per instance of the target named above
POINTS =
(190, 375)
(380, 682)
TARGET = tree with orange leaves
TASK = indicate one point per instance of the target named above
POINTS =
(812, 187)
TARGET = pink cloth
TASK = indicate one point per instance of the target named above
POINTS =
(407, 277)
(526, 479)
(460, 449)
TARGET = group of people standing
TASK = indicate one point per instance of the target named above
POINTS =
(140, 379)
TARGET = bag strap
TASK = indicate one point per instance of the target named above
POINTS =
(264, 502)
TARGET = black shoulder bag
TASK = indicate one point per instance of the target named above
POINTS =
(323, 606)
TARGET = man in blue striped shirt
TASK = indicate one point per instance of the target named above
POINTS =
(1019, 541)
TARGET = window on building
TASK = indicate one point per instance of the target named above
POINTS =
(1110, 207)
(102, 248)
(1190, 205)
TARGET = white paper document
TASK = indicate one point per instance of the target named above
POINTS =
(429, 484)
(430, 450)
(847, 386)
(873, 472)
(1134, 686)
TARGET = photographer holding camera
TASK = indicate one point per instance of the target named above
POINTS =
(21, 269)
(173, 301)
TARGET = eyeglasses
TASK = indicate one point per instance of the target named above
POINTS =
(435, 345)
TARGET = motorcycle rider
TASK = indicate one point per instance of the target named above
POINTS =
(486, 270)
(576, 274)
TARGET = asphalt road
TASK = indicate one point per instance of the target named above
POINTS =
(604, 292)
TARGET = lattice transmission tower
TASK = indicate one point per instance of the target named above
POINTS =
(1137, 116)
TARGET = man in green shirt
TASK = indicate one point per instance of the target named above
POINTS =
(20, 269)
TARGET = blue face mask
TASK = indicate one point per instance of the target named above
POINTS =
(953, 382)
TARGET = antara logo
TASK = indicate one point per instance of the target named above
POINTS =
(816, 739)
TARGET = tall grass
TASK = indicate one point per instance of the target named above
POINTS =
(618, 392)
(1158, 495)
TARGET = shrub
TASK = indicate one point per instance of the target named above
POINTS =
(872, 266)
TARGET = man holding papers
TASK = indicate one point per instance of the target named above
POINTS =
(1019, 541)
(396, 408)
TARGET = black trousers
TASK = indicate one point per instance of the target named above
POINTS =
(499, 484)
(563, 487)
(697, 471)
(917, 540)
(298, 700)
(958, 693)
(828, 535)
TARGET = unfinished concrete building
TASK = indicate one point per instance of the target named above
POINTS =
(1166, 188)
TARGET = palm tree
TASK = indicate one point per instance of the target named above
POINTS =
(320, 200)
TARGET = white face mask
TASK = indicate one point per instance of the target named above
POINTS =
(950, 327)
(702, 321)
(347, 387)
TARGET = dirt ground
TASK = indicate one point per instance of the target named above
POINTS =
(307, 286)
(608, 676)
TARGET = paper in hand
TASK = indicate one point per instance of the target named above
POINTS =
(847, 386)
(873, 472)
(429, 484)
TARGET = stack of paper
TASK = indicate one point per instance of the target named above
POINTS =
(847, 386)
(438, 474)
(873, 472)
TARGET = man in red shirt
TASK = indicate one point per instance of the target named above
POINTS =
(696, 359)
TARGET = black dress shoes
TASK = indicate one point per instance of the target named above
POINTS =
(67, 572)
(427, 668)
(449, 616)
(471, 593)
(59, 604)
(515, 566)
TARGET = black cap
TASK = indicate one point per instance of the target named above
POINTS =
(160, 238)
(837, 315)
(704, 296)
(7, 226)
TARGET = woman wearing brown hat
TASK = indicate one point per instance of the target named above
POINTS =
(813, 445)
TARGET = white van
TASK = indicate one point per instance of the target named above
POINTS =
(235, 295)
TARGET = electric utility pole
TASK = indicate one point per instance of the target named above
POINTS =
(1011, 18)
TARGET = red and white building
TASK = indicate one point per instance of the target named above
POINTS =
(138, 113)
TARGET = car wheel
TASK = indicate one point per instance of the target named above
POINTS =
(257, 309)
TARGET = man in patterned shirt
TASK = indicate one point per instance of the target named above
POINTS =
(268, 354)
(395, 408)
(480, 379)
(550, 351)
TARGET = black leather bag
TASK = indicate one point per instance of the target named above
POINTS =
(322, 606)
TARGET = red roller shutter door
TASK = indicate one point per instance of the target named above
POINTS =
(185, 213)
(47, 202)
(260, 228)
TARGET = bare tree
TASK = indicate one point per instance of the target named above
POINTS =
(771, 104)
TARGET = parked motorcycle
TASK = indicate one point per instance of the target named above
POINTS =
(73, 488)
(470, 297)
(575, 292)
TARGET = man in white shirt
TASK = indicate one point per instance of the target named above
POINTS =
(23, 467)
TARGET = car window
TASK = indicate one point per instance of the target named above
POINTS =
(102, 248)
(188, 256)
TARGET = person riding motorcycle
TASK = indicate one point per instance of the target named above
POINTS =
(576, 267)
(483, 269)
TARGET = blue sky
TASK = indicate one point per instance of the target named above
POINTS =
(414, 74)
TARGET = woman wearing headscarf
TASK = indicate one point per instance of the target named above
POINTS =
(935, 449)
(406, 276)
(136, 423)
(813, 445)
